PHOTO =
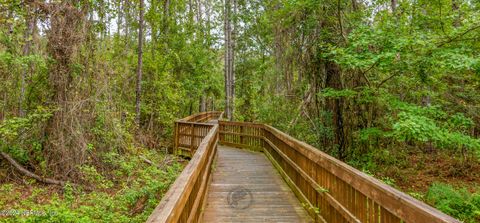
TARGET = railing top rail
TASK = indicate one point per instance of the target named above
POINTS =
(397, 202)
(252, 124)
(195, 123)
(196, 115)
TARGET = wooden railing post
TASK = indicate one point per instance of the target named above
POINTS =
(192, 134)
(175, 138)
(241, 136)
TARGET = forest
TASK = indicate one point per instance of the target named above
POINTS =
(89, 91)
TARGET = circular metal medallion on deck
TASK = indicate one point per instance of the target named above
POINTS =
(239, 198)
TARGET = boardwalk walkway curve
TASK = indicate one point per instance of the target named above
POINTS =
(235, 175)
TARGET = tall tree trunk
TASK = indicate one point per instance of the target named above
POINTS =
(456, 10)
(190, 11)
(355, 5)
(66, 148)
(119, 17)
(139, 65)
(232, 58)
(203, 103)
(208, 23)
(227, 32)
(198, 12)
(126, 8)
(335, 106)
(166, 15)
(394, 4)
(30, 22)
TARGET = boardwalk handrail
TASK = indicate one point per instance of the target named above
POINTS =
(203, 116)
(329, 189)
(189, 131)
(185, 198)
(332, 190)
(183, 202)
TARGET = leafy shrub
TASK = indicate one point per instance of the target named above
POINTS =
(430, 124)
(17, 136)
(333, 93)
(458, 203)
(12, 128)
(368, 134)
(90, 174)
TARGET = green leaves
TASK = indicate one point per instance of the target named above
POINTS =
(333, 93)
(459, 122)
(430, 124)
(12, 128)
(415, 127)
(15, 136)
(458, 203)
(368, 134)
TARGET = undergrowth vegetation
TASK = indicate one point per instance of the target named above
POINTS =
(459, 203)
(131, 192)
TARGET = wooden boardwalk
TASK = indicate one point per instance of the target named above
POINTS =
(245, 187)
(225, 184)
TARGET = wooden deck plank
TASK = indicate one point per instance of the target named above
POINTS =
(245, 187)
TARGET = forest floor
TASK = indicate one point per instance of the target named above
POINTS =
(425, 170)
(129, 194)
(420, 170)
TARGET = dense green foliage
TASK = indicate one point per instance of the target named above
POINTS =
(409, 75)
(81, 95)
